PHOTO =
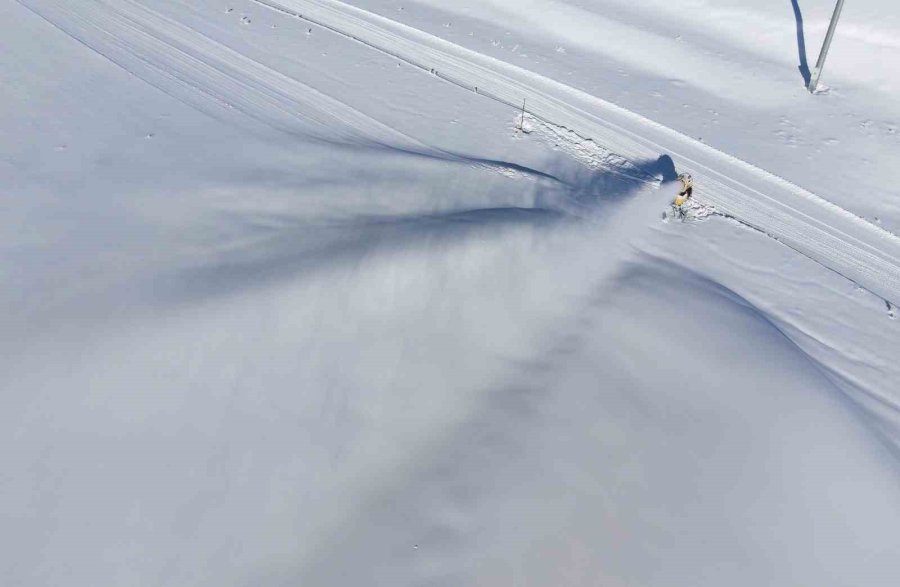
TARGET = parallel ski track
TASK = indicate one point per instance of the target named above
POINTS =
(208, 75)
(818, 229)
(215, 78)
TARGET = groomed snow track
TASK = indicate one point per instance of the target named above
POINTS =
(182, 60)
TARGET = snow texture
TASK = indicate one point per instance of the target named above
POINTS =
(294, 292)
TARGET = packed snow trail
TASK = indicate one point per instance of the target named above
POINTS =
(216, 78)
(824, 232)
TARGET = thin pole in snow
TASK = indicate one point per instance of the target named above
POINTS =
(522, 122)
(820, 64)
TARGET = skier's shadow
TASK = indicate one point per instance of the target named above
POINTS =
(663, 168)
(801, 44)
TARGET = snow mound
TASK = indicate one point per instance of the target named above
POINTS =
(586, 151)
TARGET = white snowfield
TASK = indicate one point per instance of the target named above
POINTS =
(288, 297)
(185, 62)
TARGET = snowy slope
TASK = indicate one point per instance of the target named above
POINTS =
(730, 73)
(281, 306)
(857, 250)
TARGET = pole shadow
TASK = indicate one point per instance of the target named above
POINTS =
(801, 44)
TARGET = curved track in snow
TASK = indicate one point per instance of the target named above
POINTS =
(216, 78)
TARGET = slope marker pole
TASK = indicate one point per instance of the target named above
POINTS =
(522, 121)
(820, 63)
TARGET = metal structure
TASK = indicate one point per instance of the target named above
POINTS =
(816, 73)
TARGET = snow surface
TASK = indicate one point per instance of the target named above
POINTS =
(282, 305)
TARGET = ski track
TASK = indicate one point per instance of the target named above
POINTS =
(208, 75)
(216, 79)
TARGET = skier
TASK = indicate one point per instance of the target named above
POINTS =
(687, 190)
